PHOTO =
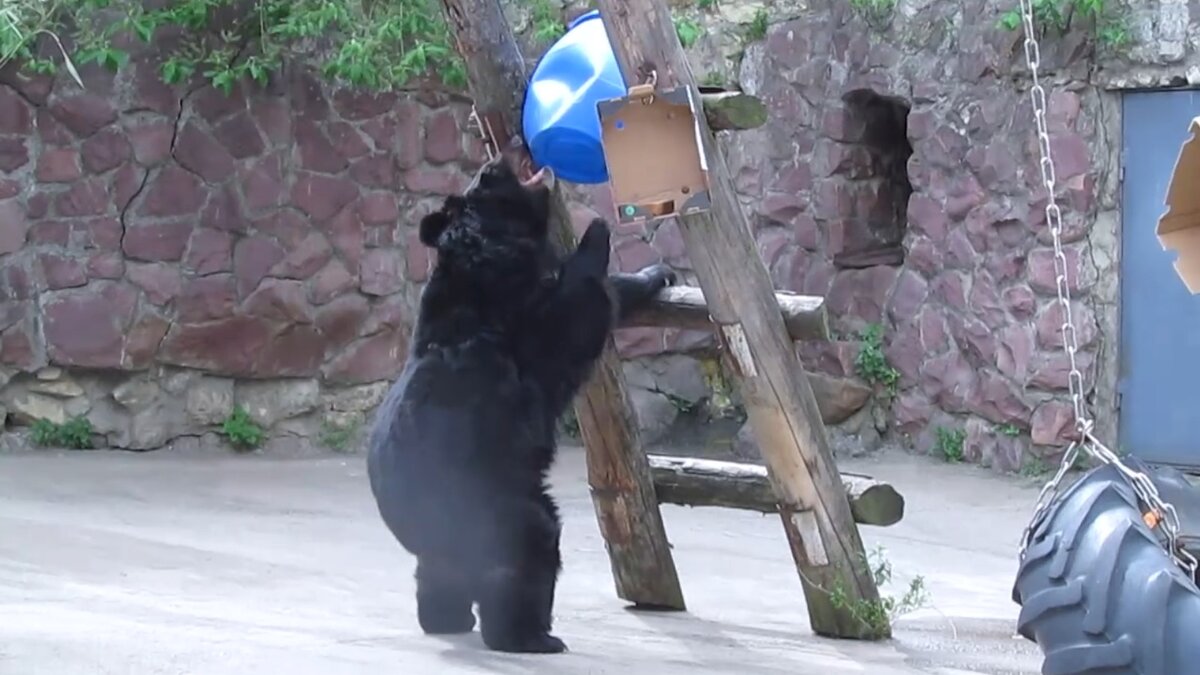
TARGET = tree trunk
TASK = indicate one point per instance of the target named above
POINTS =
(619, 475)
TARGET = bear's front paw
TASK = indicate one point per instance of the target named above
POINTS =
(659, 275)
(597, 236)
(593, 252)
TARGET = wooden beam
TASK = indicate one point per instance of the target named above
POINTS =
(733, 110)
(618, 473)
(705, 482)
(684, 307)
(783, 413)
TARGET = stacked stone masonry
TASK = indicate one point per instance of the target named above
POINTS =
(169, 252)
(250, 236)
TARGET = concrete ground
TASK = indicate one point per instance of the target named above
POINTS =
(160, 563)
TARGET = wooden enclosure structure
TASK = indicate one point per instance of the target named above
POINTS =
(754, 324)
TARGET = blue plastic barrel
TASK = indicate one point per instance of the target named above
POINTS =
(559, 121)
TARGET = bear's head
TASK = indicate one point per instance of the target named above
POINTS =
(498, 212)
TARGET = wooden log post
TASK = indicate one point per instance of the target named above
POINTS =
(783, 413)
(618, 473)
(707, 482)
(804, 316)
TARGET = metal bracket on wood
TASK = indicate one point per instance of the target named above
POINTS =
(490, 128)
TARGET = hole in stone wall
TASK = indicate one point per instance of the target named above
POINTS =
(875, 234)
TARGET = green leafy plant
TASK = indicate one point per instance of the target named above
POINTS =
(713, 79)
(1035, 467)
(706, 4)
(949, 444)
(875, 12)
(75, 433)
(372, 44)
(1105, 19)
(547, 21)
(681, 404)
(757, 28)
(688, 31)
(241, 431)
(871, 364)
(879, 615)
(1081, 462)
(337, 436)
(1009, 429)
(568, 424)
(722, 401)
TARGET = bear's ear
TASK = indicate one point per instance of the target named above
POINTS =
(433, 225)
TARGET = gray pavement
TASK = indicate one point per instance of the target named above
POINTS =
(220, 565)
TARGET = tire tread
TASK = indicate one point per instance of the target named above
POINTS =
(1096, 588)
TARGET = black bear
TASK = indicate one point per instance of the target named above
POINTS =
(506, 334)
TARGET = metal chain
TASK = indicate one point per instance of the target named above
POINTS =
(1086, 441)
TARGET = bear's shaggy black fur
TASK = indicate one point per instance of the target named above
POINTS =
(506, 335)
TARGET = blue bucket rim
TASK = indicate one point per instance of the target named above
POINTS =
(586, 16)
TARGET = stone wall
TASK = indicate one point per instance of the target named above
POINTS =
(928, 108)
(174, 251)
(166, 254)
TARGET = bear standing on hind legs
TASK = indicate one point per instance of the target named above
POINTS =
(506, 335)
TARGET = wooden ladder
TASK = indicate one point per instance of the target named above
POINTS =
(755, 324)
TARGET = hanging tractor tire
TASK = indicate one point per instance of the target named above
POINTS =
(1098, 592)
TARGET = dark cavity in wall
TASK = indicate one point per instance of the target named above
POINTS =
(879, 180)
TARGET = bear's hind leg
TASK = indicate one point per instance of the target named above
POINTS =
(516, 600)
(444, 597)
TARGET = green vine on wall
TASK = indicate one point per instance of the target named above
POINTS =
(373, 44)
(1105, 19)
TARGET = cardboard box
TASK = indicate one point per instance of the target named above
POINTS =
(1179, 228)
(655, 158)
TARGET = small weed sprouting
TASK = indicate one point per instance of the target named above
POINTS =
(241, 431)
(339, 437)
(1011, 430)
(713, 79)
(706, 4)
(688, 31)
(874, 12)
(1035, 467)
(1080, 463)
(75, 433)
(757, 28)
(878, 616)
(546, 20)
(568, 424)
(680, 404)
(44, 433)
(949, 444)
(872, 364)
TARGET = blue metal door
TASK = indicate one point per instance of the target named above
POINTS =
(1160, 321)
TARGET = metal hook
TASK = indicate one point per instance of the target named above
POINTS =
(484, 131)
